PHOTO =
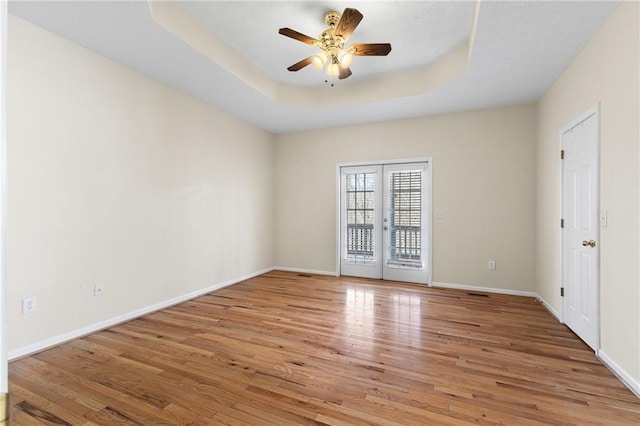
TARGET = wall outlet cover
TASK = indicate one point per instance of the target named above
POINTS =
(29, 304)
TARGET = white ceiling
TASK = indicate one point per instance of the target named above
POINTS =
(518, 50)
(445, 25)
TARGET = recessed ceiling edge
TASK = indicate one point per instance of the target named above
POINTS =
(175, 19)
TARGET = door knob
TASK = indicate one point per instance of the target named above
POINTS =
(590, 243)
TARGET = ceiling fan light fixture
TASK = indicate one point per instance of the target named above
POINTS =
(333, 70)
(346, 58)
(318, 62)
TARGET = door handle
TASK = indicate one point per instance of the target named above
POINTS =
(589, 243)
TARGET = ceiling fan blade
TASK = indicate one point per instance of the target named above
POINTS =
(345, 72)
(298, 36)
(299, 65)
(371, 49)
(348, 22)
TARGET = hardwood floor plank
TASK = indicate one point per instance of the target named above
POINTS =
(300, 349)
(45, 410)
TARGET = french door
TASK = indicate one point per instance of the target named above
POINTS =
(385, 221)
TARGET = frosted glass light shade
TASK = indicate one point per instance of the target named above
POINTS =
(332, 70)
(346, 59)
(318, 62)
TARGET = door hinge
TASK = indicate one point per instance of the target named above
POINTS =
(562, 154)
(561, 291)
(561, 223)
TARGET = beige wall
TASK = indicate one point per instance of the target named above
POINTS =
(119, 180)
(483, 180)
(605, 72)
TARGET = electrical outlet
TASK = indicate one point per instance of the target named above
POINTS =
(98, 289)
(29, 304)
(492, 265)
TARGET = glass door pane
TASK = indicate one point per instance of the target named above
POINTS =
(406, 222)
(360, 192)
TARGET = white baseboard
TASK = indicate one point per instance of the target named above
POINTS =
(625, 377)
(550, 308)
(303, 271)
(466, 287)
(56, 340)
(485, 289)
(619, 372)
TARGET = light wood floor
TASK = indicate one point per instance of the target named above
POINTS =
(285, 349)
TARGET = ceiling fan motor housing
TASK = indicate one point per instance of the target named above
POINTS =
(330, 41)
(331, 18)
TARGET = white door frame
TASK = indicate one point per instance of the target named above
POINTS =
(4, 366)
(429, 240)
(593, 111)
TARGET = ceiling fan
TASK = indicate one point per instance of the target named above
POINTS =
(332, 41)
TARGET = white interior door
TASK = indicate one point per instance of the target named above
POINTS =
(580, 236)
(385, 222)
